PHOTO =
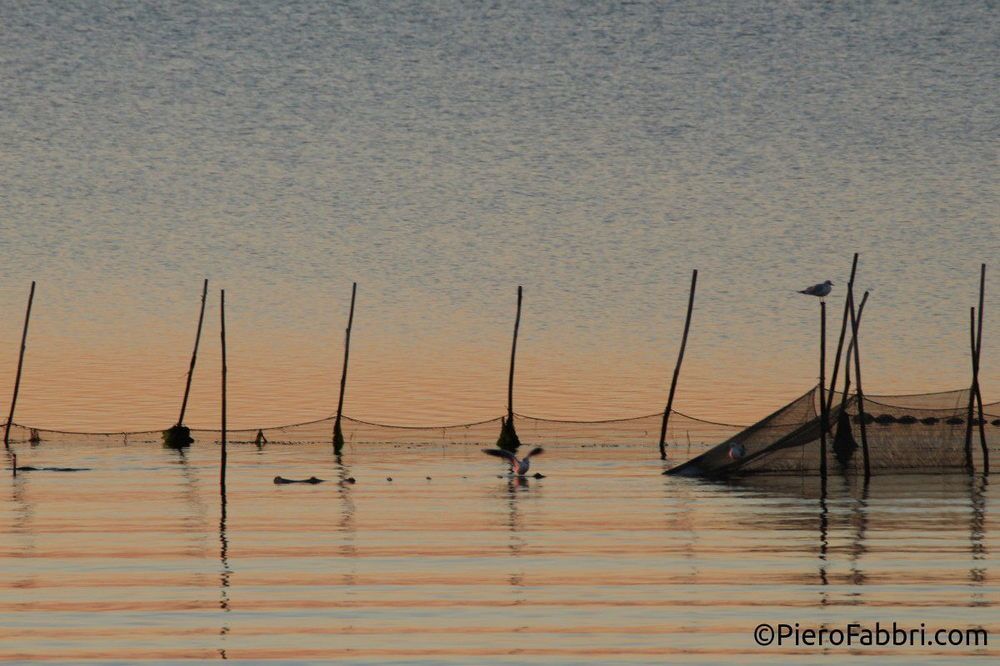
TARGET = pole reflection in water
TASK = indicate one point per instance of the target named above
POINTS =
(824, 543)
(977, 539)
(515, 542)
(859, 518)
(346, 524)
(224, 568)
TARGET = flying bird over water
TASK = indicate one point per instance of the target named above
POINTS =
(517, 466)
(822, 290)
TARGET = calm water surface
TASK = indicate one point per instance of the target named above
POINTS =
(442, 154)
(604, 561)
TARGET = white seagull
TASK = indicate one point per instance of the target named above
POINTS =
(517, 467)
(821, 290)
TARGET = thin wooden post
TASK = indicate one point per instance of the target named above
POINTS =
(824, 418)
(677, 368)
(338, 435)
(969, 413)
(194, 354)
(857, 377)
(508, 440)
(840, 343)
(848, 357)
(975, 394)
(513, 354)
(979, 353)
(20, 366)
(222, 336)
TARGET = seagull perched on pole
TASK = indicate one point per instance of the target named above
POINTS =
(517, 467)
(822, 290)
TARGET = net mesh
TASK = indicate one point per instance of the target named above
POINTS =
(923, 432)
(684, 432)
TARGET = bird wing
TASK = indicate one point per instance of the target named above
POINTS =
(534, 452)
(500, 453)
(809, 291)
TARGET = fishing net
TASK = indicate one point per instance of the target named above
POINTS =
(685, 433)
(925, 432)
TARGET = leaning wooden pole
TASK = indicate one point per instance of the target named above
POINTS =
(508, 439)
(848, 357)
(677, 368)
(857, 378)
(840, 342)
(513, 357)
(979, 357)
(222, 336)
(194, 353)
(969, 412)
(20, 366)
(975, 394)
(179, 435)
(338, 433)
(824, 417)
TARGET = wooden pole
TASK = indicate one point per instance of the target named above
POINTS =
(513, 353)
(969, 413)
(677, 368)
(194, 354)
(338, 437)
(222, 335)
(857, 378)
(20, 366)
(824, 417)
(975, 395)
(848, 357)
(840, 343)
(979, 354)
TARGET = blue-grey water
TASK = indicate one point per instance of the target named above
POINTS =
(440, 154)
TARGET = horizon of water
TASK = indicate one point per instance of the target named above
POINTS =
(602, 561)
(440, 156)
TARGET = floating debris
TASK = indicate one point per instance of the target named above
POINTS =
(29, 468)
(311, 480)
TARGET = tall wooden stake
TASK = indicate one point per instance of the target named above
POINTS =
(975, 393)
(840, 343)
(513, 354)
(677, 368)
(222, 335)
(508, 440)
(338, 435)
(194, 354)
(857, 377)
(969, 413)
(17, 377)
(824, 417)
(979, 355)
(848, 357)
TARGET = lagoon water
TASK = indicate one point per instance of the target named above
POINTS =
(441, 155)
(603, 561)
